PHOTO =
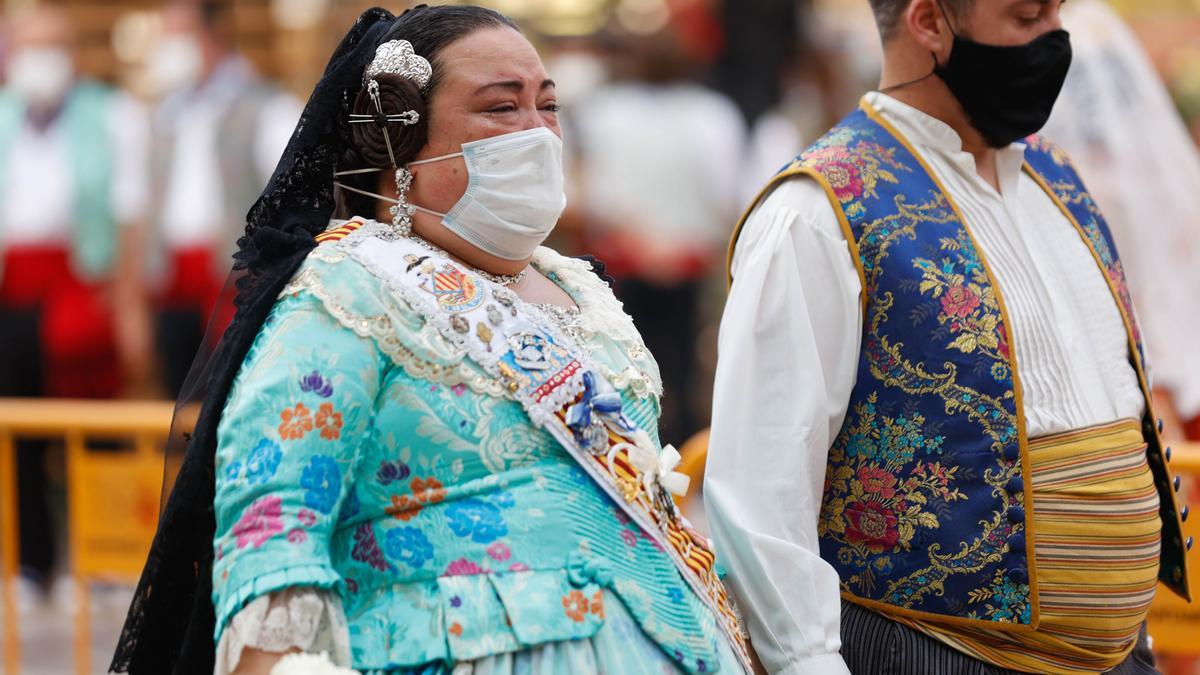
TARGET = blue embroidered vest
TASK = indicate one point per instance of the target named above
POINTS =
(925, 505)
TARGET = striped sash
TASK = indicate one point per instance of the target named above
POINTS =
(1096, 528)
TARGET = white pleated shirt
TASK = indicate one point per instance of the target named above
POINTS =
(789, 352)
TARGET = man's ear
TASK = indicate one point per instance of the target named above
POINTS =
(926, 23)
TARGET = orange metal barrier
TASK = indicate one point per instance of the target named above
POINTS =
(112, 496)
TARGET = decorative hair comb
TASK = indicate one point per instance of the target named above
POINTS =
(396, 57)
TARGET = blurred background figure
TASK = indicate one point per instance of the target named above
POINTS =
(72, 179)
(1117, 121)
(218, 133)
(658, 157)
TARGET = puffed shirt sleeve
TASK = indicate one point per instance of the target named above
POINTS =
(288, 445)
(788, 352)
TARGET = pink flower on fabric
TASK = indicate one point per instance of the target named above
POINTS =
(463, 567)
(630, 538)
(259, 522)
(297, 536)
(459, 389)
(518, 567)
(499, 551)
(307, 517)
(959, 301)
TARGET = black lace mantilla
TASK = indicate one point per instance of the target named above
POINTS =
(170, 624)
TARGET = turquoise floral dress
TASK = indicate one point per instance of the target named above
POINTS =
(379, 498)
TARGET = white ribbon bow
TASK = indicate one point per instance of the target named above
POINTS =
(675, 482)
(654, 468)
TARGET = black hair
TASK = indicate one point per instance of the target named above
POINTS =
(430, 30)
(889, 12)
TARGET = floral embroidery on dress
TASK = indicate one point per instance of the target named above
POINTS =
(296, 422)
(463, 567)
(391, 472)
(306, 517)
(329, 421)
(408, 545)
(598, 604)
(479, 520)
(322, 482)
(424, 492)
(313, 382)
(259, 522)
(263, 462)
(499, 552)
(297, 535)
(575, 604)
(366, 549)
(429, 490)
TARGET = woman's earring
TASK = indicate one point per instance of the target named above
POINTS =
(402, 212)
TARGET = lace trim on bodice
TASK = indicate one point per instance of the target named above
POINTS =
(600, 315)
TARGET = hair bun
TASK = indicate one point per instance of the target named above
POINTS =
(397, 94)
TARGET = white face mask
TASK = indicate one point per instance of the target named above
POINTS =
(176, 63)
(514, 192)
(41, 76)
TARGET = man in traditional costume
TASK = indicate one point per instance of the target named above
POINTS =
(932, 395)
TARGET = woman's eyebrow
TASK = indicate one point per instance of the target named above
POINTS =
(513, 85)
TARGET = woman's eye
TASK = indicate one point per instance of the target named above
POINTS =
(552, 107)
(506, 108)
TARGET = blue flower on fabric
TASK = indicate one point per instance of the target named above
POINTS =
(233, 471)
(504, 500)
(316, 384)
(263, 461)
(322, 482)
(675, 595)
(476, 519)
(408, 545)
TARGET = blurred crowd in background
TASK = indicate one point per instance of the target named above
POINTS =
(135, 134)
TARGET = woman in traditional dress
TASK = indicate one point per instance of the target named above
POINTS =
(428, 443)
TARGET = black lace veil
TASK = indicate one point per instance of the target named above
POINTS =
(169, 628)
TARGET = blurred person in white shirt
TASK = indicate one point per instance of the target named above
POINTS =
(1125, 134)
(73, 178)
(218, 133)
(658, 157)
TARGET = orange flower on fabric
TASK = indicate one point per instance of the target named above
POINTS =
(296, 422)
(329, 421)
(598, 605)
(576, 606)
(403, 508)
(456, 629)
(428, 491)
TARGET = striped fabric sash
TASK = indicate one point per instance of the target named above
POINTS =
(1096, 528)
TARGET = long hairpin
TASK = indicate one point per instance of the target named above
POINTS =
(395, 57)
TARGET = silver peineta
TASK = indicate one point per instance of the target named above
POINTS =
(396, 57)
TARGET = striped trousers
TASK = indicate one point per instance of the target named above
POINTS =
(872, 644)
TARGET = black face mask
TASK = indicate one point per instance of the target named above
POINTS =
(1007, 92)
